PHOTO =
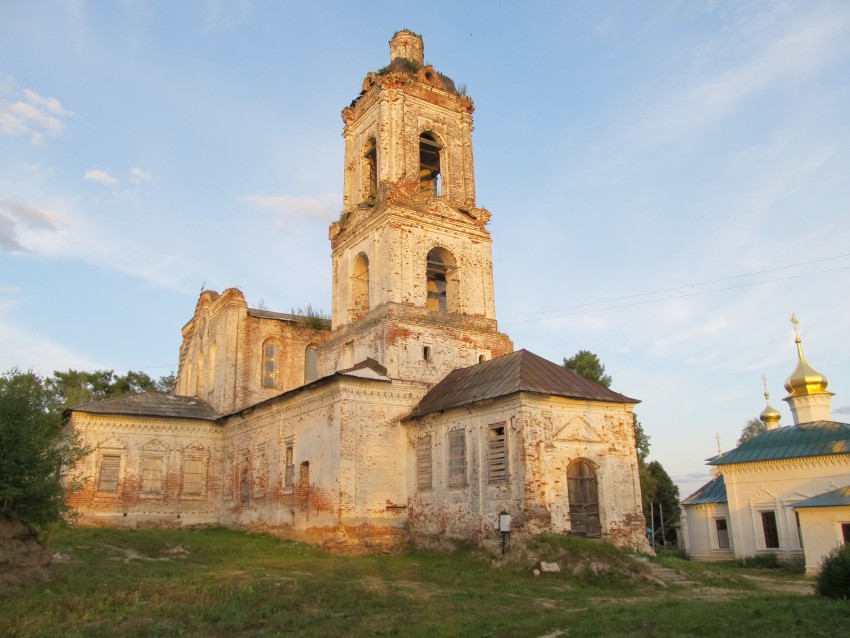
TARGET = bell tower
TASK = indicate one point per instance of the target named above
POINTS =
(412, 259)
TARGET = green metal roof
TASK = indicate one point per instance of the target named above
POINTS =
(712, 492)
(835, 498)
(818, 438)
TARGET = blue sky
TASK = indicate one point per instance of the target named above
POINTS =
(668, 182)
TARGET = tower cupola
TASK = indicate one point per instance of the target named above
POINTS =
(807, 394)
(769, 416)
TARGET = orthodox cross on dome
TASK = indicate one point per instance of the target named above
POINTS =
(796, 327)
(717, 437)
(764, 382)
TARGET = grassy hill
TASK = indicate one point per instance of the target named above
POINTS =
(228, 583)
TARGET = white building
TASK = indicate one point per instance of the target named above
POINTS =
(785, 491)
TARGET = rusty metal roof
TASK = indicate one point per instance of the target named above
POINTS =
(151, 404)
(835, 498)
(520, 371)
(712, 492)
(818, 438)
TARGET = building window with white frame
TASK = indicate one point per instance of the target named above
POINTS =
(771, 531)
(722, 533)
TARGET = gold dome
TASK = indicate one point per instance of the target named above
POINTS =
(805, 379)
(769, 416)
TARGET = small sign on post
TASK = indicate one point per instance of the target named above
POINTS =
(505, 530)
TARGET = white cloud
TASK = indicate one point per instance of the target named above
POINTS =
(139, 175)
(323, 208)
(97, 175)
(35, 116)
(805, 46)
(20, 223)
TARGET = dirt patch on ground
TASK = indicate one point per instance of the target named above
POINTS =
(22, 558)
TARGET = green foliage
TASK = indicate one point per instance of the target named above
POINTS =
(33, 452)
(588, 365)
(767, 560)
(664, 496)
(752, 429)
(315, 318)
(641, 440)
(833, 579)
(75, 387)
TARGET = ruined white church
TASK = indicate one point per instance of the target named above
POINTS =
(408, 415)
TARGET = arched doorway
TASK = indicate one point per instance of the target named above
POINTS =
(584, 499)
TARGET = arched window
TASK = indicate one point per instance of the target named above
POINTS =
(370, 169)
(584, 498)
(359, 287)
(271, 354)
(443, 281)
(429, 165)
(311, 363)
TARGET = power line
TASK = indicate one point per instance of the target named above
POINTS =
(692, 294)
(701, 283)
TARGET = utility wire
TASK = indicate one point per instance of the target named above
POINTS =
(691, 294)
(658, 292)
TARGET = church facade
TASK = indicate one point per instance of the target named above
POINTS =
(408, 413)
(785, 491)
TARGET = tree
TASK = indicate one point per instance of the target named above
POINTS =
(665, 500)
(33, 452)
(75, 387)
(588, 365)
(751, 430)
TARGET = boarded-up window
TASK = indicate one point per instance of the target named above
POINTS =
(108, 479)
(771, 532)
(722, 533)
(228, 476)
(151, 475)
(193, 477)
(311, 363)
(457, 458)
(289, 468)
(270, 367)
(260, 471)
(497, 454)
(424, 476)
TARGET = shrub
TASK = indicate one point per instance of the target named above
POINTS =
(833, 580)
(768, 560)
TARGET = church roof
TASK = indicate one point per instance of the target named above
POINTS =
(835, 498)
(712, 492)
(520, 371)
(285, 316)
(151, 404)
(818, 438)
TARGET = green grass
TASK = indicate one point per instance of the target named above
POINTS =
(234, 584)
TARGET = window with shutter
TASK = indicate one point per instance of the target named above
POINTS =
(497, 454)
(424, 477)
(457, 458)
(193, 477)
(151, 475)
(108, 479)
